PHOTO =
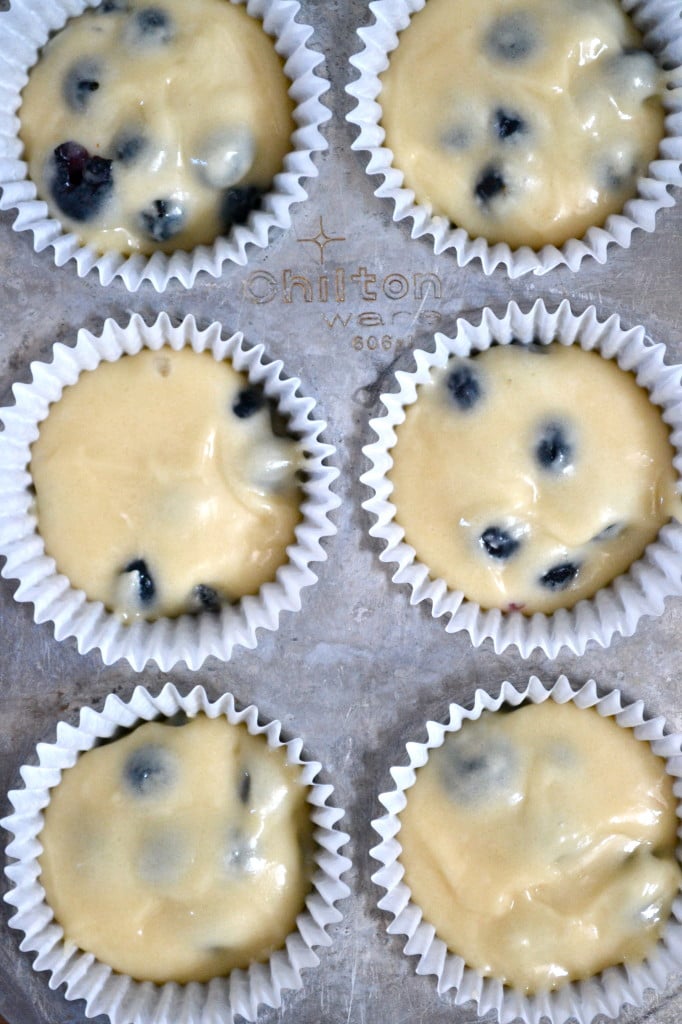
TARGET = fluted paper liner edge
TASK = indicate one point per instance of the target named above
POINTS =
(616, 609)
(581, 1001)
(124, 1000)
(25, 28)
(659, 22)
(189, 638)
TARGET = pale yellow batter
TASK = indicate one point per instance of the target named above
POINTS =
(177, 854)
(540, 844)
(530, 477)
(161, 487)
(522, 121)
(156, 125)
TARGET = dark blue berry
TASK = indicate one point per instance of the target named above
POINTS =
(489, 185)
(80, 183)
(248, 402)
(153, 26)
(207, 598)
(464, 385)
(244, 786)
(80, 82)
(149, 771)
(472, 769)
(609, 532)
(146, 588)
(560, 576)
(162, 219)
(128, 145)
(499, 543)
(554, 451)
(111, 6)
(507, 124)
(237, 204)
(511, 37)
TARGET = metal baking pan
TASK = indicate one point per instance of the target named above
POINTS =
(358, 671)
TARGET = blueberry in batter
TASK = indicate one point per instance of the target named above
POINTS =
(188, 105)
(162, 219)
(146, 588)
(525, 122)
(560, 576)
(554, 450)
(465, 387)
(499, 543)
(80, 184)
(512, 37)
(150, 771)
(473, 771)
(518, 485)
(80, 83)
(152, 26)
(238, 203)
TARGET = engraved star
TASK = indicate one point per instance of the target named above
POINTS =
(321, 239)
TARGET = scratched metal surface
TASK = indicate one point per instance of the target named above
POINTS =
(358, 671)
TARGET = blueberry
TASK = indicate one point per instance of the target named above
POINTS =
(464, 385)
(489, 185)
(619, 170)
(153, 26)
(609, 532)
(162, 219)
(111, 6)
(80, 82)
(150, 771)
(560, 576)
(248, 402)
(476, 768)
(146, 588)
(554, 450)
(499, 543)
(206, 598)
(80, 183)
(507, 123)
(244, 786)
(511, 37)
(128, 145)
(238, 203)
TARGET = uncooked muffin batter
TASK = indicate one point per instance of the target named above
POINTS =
(177, 854)
(522, 122)
(161, 487)
(156, 125)
(540, 844)
(529, 477)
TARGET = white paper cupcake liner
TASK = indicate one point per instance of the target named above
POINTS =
(580, 1001)
(124, 1000)
(658, 20)
(189, 638)
(615, 609)
(24, 30)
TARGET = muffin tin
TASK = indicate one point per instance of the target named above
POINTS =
(343, 296)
